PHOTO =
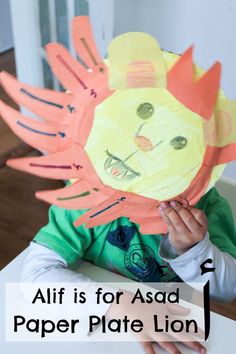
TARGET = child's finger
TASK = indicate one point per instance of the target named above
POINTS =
(170, 347)
(200, 216)
(188, 218)
(196, 346)
(171, 228)
(147, 347)
(174, 218)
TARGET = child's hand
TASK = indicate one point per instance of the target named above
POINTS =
(187, 225)
(149, 336)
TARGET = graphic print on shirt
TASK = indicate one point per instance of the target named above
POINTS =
(121, 237)
(140, 260)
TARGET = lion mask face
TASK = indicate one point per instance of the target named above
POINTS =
(146, 142)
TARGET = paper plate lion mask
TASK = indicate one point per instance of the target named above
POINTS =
(143, 127)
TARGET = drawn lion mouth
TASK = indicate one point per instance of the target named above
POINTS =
(117, 169)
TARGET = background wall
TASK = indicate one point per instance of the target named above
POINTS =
(6, 40)
(177, 24)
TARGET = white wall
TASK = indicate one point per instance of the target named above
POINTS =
(209, 24)
(25, 21)
(6, 40)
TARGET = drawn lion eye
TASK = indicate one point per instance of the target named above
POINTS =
(179, 142)
(145, 110)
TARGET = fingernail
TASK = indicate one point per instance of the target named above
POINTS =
(173, 203)
(203, 350)
(164, 205)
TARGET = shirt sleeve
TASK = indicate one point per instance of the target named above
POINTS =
(187, 266)
(61, 236)
(43, 265)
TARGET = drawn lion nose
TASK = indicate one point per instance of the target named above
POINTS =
(143, 143)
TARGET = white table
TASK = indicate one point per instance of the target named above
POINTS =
(222, 338)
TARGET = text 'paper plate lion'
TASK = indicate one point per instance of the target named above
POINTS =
(144, 127)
